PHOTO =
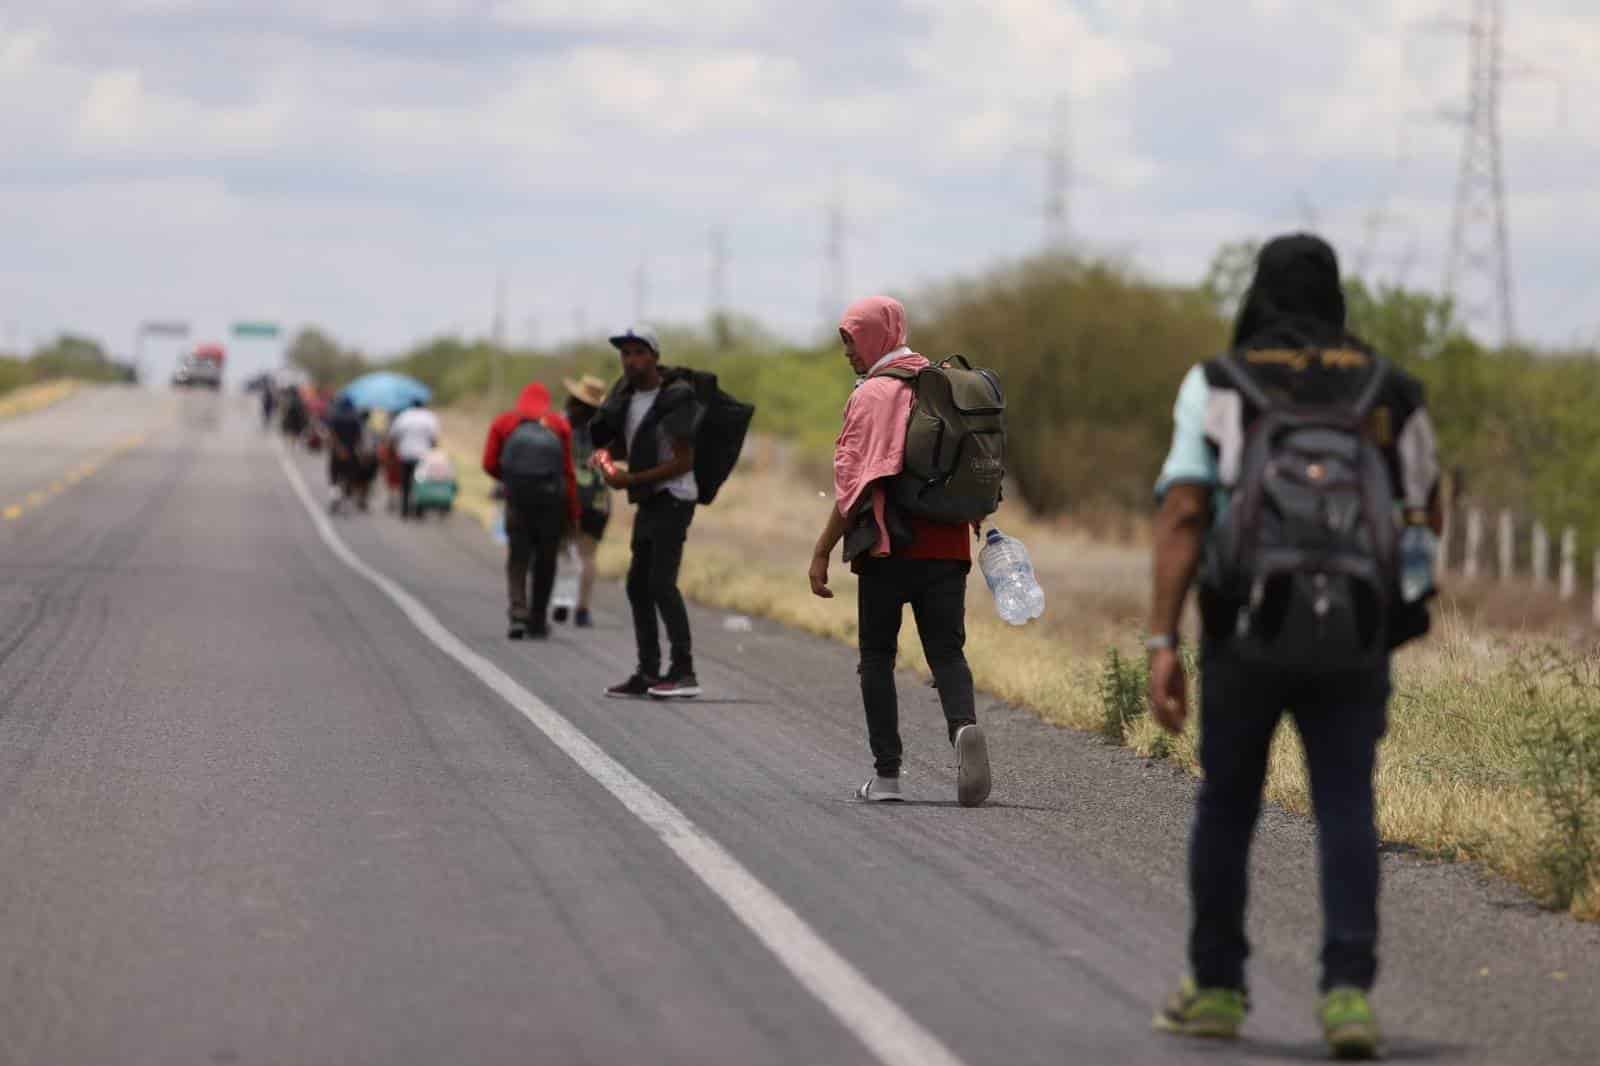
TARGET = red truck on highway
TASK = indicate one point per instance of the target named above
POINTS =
(200, 368)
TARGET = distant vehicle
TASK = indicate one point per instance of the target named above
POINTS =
(201, 368)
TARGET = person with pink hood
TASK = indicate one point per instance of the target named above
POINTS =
(898, 559)
(529, 451)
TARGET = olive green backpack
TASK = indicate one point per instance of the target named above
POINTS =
(955, 443)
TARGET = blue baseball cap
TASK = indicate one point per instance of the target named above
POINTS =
(643, 334)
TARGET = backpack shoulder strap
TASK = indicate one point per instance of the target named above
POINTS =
(899, 373)
(1239, 376)
(1375, 383)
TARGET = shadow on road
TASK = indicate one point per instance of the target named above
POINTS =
(1254, 1050)
(991, 806)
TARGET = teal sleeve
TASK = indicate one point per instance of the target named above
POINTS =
(1191, 460)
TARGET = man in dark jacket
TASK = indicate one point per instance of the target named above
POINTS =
(1291, 342)
(650, 419)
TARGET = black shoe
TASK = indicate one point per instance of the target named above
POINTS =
(558, 615)
(518, 627)
(677, 685)
(582, 619)
(538, 632)
(636, 687)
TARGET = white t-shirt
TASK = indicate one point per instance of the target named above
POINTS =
(683, 486)
(414, 432)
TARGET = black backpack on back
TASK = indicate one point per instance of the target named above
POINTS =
(532, 454)
(1307, 549)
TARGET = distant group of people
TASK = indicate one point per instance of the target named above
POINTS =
(403, 447)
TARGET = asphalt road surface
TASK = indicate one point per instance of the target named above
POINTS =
(275, 789)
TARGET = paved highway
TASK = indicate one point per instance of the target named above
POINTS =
(275, 789)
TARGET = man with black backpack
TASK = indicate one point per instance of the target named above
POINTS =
(1301, 462)
(529, 451)
(651, 419)
(907, 503)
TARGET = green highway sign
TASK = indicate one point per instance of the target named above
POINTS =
(255, 329)
(164, 329)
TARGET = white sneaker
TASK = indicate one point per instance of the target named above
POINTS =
(972, 766)
(880, 790)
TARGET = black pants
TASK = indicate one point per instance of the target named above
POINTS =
(1340, 718)
(936, 589)
(534, 515)
(408, 470)
(659, 529)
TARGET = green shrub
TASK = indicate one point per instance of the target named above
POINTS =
(1123, 687)
(1561, 751)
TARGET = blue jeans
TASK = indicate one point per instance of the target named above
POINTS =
(1340, 718)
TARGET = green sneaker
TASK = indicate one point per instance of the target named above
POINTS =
(1348, 1025)
(1210, 1012)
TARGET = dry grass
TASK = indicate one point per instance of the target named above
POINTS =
(30, 398)
(1449, 781)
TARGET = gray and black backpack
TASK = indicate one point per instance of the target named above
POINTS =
(532, 458)
(1306, 551)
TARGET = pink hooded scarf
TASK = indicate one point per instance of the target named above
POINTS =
(872, 443)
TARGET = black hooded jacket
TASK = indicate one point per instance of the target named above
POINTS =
(677, 412)
(1291, 333)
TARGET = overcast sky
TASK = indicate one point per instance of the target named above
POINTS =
(369, 165)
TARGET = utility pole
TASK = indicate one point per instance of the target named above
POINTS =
(641, 290)
(498, 338)
(1478, 271)
(717, 318)
(835, 283)
(1058, 178)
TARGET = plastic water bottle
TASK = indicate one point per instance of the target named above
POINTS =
(1418, 545)
(1009, 574)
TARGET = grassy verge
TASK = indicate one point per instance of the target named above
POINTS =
(31, 398)
(1487, 758)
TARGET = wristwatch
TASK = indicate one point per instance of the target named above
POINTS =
(1161, 642)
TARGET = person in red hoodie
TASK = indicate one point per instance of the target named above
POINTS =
(529, 451)
(898, 559)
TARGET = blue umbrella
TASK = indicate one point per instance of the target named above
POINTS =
(385, 389)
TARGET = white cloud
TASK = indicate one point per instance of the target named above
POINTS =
(693, 15)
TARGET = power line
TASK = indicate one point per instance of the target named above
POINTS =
(719, 271)
(1478, 271)
(717, 317)
(498, 336)
(497, 328)
(1058, 177)
(641, 289)
(835, 282)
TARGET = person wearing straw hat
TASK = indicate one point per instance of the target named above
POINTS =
(584, 397)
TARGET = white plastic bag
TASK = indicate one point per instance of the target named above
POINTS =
(568, 567)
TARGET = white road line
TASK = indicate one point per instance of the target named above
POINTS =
(891, 1034)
